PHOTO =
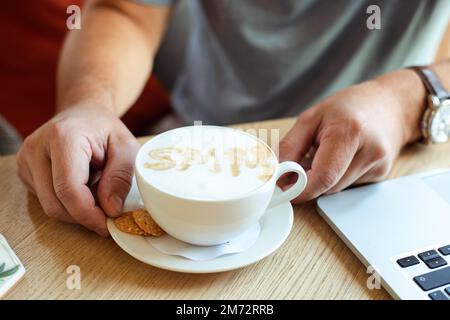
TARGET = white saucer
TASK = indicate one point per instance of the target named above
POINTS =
(275, 227)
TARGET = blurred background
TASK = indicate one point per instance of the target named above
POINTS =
(32, 35)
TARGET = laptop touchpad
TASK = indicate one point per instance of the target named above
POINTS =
(440, 183)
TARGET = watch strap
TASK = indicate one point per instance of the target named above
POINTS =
(431, 81)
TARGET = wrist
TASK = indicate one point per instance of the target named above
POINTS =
(410, 96)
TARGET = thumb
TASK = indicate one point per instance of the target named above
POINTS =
(297, 142)
(117, 175)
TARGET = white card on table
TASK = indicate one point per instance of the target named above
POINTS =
(11, 269)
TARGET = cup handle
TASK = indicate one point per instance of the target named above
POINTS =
(294, 191)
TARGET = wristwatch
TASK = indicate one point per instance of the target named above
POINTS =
(436, 119)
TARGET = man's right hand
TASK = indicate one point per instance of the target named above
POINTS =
(59, 160)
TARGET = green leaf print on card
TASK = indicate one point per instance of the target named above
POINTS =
(8, 272)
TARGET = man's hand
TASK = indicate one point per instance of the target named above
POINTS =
(60, 159)
(102, 70)
(357, 133)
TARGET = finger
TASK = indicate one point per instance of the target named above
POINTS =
(94, 179)
(305, 162)
(336, 150)
(30, 188)
(70, 166)
(25, 176)
(43, 185)
(297, 142)
(376, 174)
(358, 167)
(28, 185)
(115, 182)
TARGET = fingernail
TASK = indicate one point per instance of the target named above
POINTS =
(102, 232)
(116, 203)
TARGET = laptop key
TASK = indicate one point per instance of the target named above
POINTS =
(445, 250)
(408, 261)
(428, 255)
(438, 295)
(434, 279)
(436, 263)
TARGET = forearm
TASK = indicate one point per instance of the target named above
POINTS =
(108, 61)
(410, 93)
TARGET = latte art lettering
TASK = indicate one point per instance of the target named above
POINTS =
(165, 161)
(214, 163)
(211, 154)
(181, 159)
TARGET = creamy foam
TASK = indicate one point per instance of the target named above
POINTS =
(206, 162)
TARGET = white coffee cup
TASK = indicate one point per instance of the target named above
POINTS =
(209, 221)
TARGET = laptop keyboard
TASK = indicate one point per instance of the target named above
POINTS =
(445, 250)
(434, 279)
(408, 261)
(432, 259)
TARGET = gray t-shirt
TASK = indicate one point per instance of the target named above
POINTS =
(251, 60)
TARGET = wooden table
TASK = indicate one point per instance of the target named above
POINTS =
(312, 264)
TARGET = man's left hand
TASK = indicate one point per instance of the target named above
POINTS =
(357, 133)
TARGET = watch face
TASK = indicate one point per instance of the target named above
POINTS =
(440, 124)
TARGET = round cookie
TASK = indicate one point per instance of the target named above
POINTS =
(143, 219)
(126, 223)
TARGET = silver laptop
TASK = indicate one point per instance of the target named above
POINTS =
(400, 228)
